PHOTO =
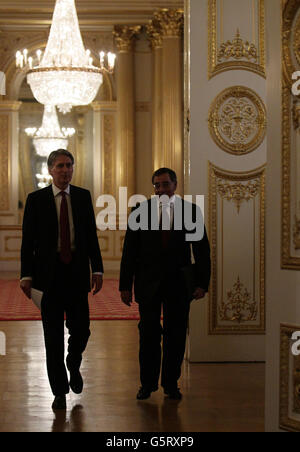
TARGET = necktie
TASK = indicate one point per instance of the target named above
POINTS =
(65, 242)
(165, 233)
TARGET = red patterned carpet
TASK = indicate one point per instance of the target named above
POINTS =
(106, 305)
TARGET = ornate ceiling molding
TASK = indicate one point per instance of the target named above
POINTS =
(90, 12)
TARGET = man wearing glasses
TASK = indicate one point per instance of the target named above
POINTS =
(153, 260)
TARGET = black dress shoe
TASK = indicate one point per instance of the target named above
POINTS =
(144, 393)
(59, 403)
(76, 382)
(173, 393)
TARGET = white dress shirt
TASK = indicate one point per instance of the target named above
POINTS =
(167, 220)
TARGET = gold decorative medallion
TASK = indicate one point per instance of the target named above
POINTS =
(289, 408)
(237, 120)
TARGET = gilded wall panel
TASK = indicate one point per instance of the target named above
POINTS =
(4, 162)
(289, 407)
(236, 225)
(290, 230)
(236, 36)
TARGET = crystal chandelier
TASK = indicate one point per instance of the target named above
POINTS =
(49, 136)
(65, 75)
(44, 178)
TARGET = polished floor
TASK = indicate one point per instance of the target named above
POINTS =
(216, 397)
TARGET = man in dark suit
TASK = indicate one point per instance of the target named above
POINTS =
(154, 260)
(59, 245)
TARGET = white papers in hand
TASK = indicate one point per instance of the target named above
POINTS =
(36, 296)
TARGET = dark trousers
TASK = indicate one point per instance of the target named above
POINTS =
(64, 300)
(175, 310)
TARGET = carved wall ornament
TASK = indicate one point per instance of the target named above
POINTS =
(124, 37)
(238, 192)
(170, 21)
(154, 33)
(236, 53)
(239, 306)
(237, 120)
(289, 404)
(237, 49)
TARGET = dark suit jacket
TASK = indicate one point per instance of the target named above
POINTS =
(146, 264)
(40, 237)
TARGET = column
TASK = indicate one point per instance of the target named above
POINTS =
(104, 140)
(171, 24)
(125, 155)
(155, 37)
(9, 156)
(80, 141)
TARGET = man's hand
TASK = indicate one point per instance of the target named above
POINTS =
(97, 282)
(199, 293)
(26, 287)
(126, 297)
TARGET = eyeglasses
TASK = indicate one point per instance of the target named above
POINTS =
(162, 184)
